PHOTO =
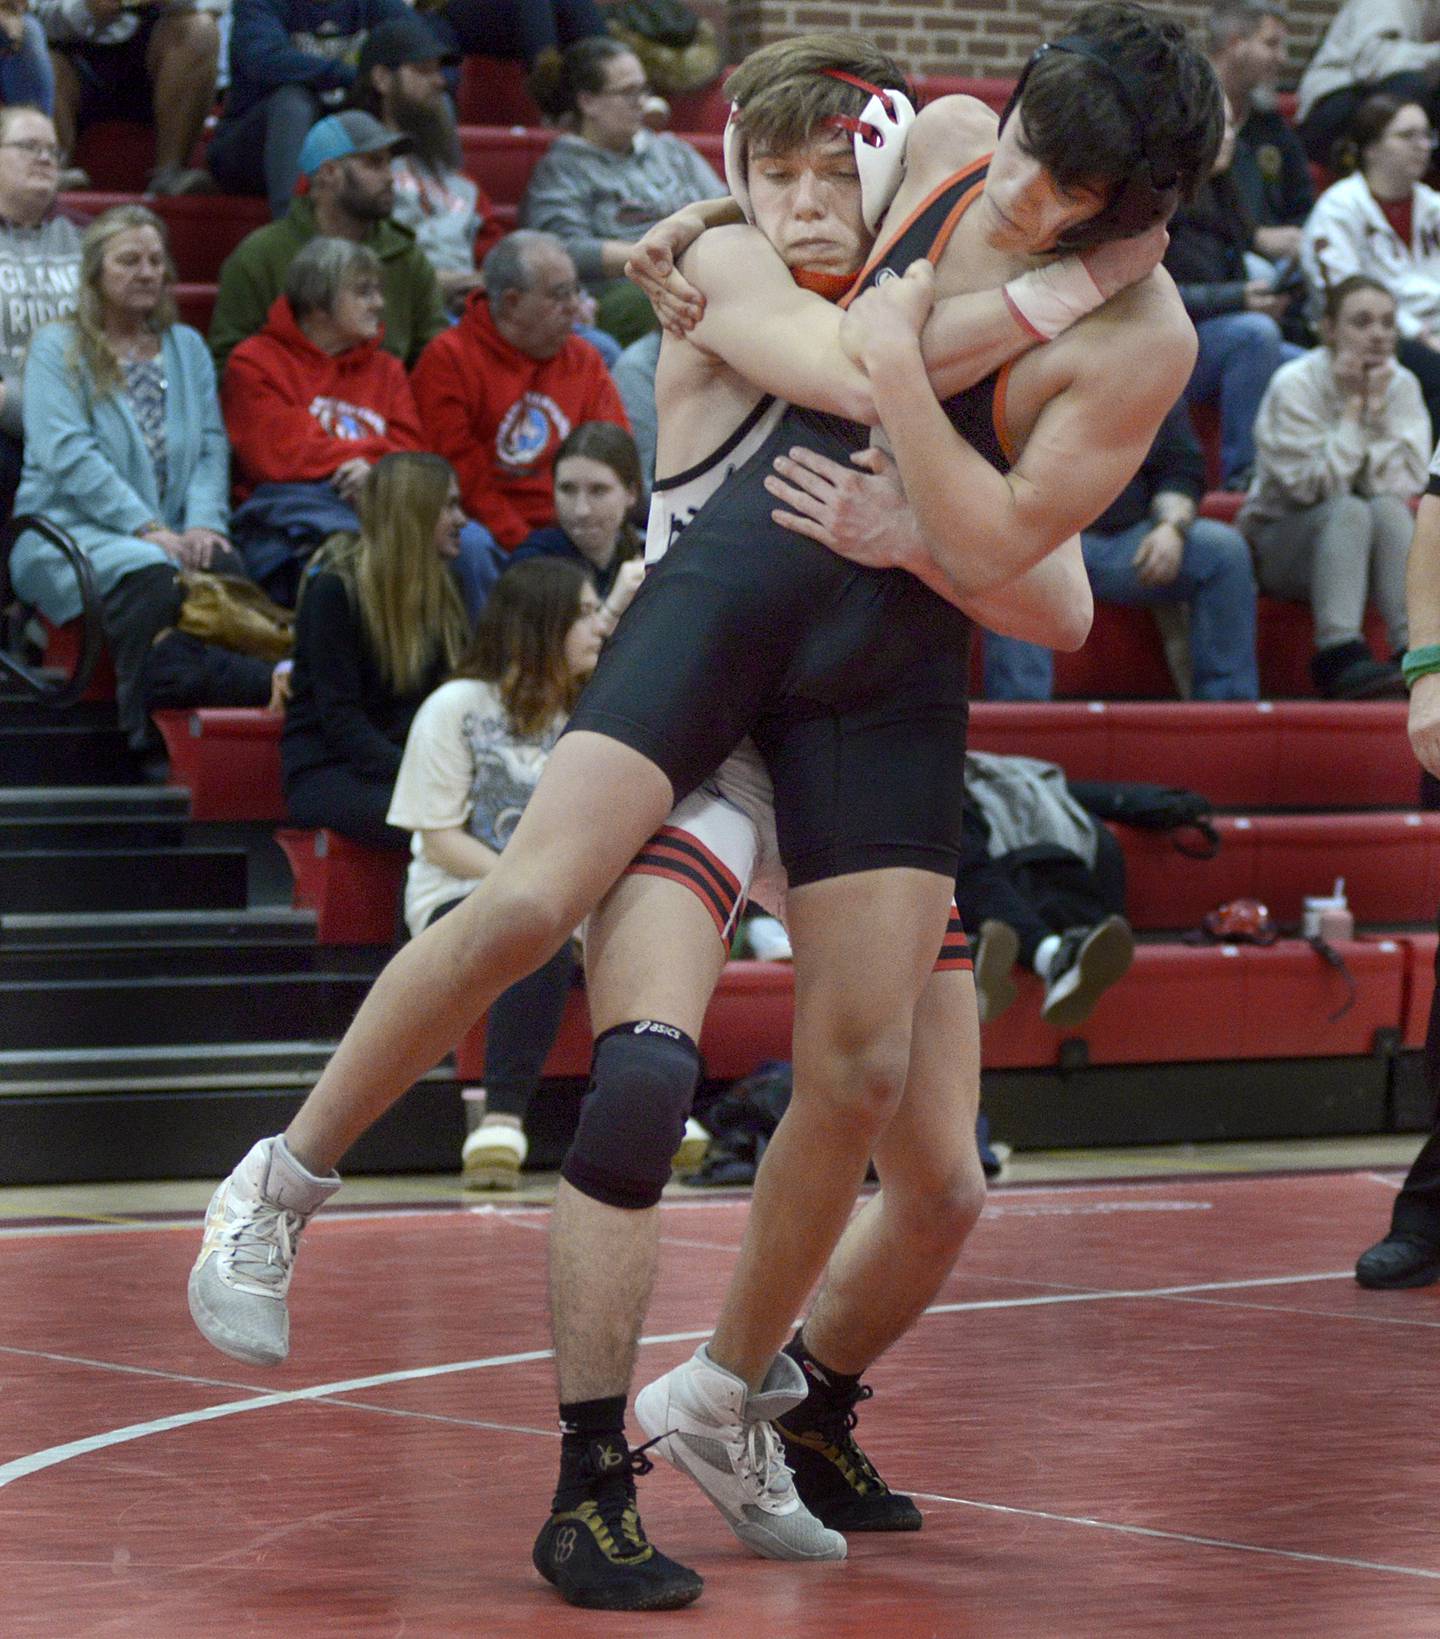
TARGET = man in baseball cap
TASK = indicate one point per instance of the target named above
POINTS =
(338, 136)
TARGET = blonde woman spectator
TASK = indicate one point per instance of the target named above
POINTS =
(380, 624)
(474, 754)
(125, 449)
(1343, 443)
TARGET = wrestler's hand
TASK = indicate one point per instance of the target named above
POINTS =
(1122, 262)
(651, 265)
(1425, 722)
(888, 315)
(858, 511)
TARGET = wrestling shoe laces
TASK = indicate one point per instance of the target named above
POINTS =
(759, 1459)
(593, 1548)
(257, 1248)
(836, 1481)
(609, 1509)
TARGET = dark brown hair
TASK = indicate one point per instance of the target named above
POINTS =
(519, 641)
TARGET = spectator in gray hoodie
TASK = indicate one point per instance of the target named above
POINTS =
(39, 266)
(602, 184)
(1371, 45)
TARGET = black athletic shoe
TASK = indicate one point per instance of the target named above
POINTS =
(594, 1549)
(1399, 1261)
(837, 1482)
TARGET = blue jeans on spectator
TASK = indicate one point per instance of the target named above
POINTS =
(478, 567)
(1239, 352)
(260, 151)
(1215, 579)
(25, 71)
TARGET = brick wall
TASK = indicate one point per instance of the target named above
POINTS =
(982, 37)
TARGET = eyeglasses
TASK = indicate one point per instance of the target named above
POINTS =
(631, 93)
(36, 150)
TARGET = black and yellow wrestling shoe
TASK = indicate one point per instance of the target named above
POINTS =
(836, 1481)
(593, 1547)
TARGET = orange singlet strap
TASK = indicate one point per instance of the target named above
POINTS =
(879, 254)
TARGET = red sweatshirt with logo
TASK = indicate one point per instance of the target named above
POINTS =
(497, 416)
(295, 412)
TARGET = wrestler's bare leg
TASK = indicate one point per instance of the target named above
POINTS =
(596, 804)
(651, 952)
(896, 1253)
(865, 948)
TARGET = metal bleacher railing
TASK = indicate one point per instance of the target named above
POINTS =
(38, 684)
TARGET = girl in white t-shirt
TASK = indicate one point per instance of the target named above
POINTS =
(473, 756)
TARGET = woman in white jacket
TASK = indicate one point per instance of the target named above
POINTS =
(1342, 446)
(1385, 222)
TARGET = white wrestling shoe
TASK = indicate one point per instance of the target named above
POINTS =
(239, 1282)
(492, 1157)
(711, 1426)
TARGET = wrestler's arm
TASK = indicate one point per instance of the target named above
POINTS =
(1122, 372)
(859, 510)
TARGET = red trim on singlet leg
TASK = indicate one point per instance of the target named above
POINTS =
(997, 410)
(954, 954)
(671, 854)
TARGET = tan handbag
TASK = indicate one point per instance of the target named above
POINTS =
(236, 614)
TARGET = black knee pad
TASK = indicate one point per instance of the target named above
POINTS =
(642, 1084)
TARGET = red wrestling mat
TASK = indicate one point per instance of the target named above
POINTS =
(1147, 1408)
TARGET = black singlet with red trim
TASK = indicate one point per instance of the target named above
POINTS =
(853, 682)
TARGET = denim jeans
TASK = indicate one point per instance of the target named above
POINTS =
(260, 151)
(25, 71)
(1215, 579)
(1239, 352)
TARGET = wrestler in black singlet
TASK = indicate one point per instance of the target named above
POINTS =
(853, 682)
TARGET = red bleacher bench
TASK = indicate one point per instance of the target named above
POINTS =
(353, 890)
(62, 654)
(228, 758)
(501, 157)
(750, 1019)
(1240, 754)
(196, 303)
(1420, 985)
(1390, 863)
(1192, 1004)
(203, 228)
(1124, 659)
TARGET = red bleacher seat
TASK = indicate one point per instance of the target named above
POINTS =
(228, 758)
(62, 654)
(1390, 863)
(492, 92)
(1187, 1003)
(196, 302)
(203, 228)
(1419, 987)
(353, 890)
(1282, 754)
(501, 157)
(117, 154)
(749, 1021)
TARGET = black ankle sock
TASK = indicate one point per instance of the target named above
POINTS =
(581, 1423)
(827, 1386)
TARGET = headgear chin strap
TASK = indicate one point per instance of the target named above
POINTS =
(879, 131)
(1152, 190)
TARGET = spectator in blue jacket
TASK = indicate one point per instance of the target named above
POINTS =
(290, 62)
(125, 450)
(26, 75)
(1149, 548)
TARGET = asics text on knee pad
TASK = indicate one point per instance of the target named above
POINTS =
(642, 1083)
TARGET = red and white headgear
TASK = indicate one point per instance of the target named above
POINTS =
(879, 130)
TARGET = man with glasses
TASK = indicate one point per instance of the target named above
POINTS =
(499, 390)
(602, 185)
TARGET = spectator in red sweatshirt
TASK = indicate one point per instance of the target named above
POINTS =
(311, 403)
(500, 390)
